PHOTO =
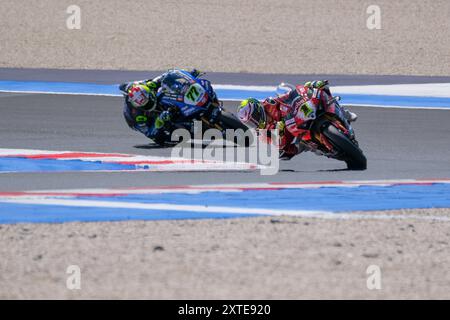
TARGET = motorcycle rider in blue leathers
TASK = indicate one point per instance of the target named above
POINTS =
(140, 107)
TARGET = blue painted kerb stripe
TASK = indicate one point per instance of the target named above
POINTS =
(55, 165)
(339, 199)
(228, 94)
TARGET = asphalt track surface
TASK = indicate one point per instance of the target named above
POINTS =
(399, 144)
(251, 79)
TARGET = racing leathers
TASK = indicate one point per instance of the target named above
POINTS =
(282, 113)
(149, 121)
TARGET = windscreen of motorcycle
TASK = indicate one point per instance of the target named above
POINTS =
(175, 82)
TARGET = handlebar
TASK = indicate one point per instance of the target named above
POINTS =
(335, 99)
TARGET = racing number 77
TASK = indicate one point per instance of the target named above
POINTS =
(193, 93)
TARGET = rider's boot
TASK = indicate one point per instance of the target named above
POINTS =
(290, 151)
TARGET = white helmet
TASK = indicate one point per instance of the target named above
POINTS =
(141, 96)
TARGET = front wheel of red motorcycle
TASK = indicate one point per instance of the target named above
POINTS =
(352, 154)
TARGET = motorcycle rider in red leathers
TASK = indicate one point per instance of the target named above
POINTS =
(282, 113)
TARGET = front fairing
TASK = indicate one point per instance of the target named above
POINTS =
(310, 104)
(190, 95)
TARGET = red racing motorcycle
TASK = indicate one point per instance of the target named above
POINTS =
(320, 126)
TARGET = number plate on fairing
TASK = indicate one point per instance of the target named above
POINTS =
(307, 111)
(194, 95)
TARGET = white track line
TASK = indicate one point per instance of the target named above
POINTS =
(395, 107)
(231, 100)
(64, 93)
(220, 209)
(161, 206)
(421, 90)
(239, 100)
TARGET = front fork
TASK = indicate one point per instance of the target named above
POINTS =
(212, 115)
(317, 142)
(343, 125)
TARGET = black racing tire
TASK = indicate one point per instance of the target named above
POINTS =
(352, 154)
(228, 120)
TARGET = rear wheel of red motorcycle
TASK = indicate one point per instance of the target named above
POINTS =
(353, 155)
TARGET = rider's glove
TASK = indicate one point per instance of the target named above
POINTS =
(195, 72)
(152, 85)
(317, 84)
(280, 126)
(159, 123)
(162, 119)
